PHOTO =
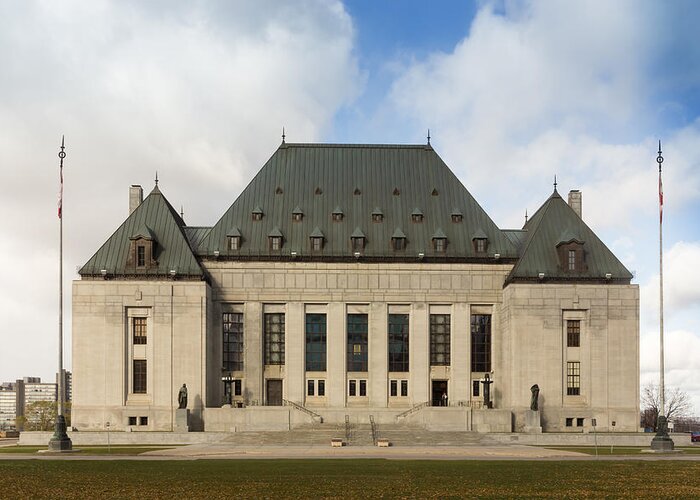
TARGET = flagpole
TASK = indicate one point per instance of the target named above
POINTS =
(661, 442)
(60, 440)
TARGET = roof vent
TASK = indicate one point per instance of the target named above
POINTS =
(396, 192)
(435, 192)
(318, 191)
(279, 190)
(357, 192)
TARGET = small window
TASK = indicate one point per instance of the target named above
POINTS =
(279, 190)
(257, 215)
(579, 422)
(337, 217)
(363, 387)
(573, 333)
(139, 376)
(357, 192)
(318, 191)
(398, 244)
(396, 192)
(140, 255)
(352, 389)
(435, 192)
(475, 388)
(456, 217)
(275, 242)
(132, 420)
(297, 216)
(404, 388)
(440, 245)
(358, 243)
(480, 245)
(310, 388)
(316, 244)
(234, 242)
(572, 260)
(393, 385)
(376, 217)
(569, 422)
(143, 420)
(321, 384)
(139, 329)
(237, 387)
(416, 217)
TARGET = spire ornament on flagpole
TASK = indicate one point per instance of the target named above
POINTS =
(661, 442)
(60, 440)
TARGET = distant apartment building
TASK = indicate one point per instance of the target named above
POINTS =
(16, 396)
(8, 405)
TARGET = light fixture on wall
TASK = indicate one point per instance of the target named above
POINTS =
(216, 253)
(608, 276)
(540, 276)
(173, 273)
(293, 254)
(497, 256)
(357, 255)
(103, 272)
(421, 255)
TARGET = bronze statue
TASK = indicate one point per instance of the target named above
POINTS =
(182, 397)
(487, 390)
(534, 403)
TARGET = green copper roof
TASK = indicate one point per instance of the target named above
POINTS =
(392, 180)
(555, 220)
(172, 250)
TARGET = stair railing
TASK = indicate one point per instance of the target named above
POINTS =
(375, 435)
(412, 410)
(303, 409)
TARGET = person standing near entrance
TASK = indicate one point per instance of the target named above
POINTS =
(444, 398)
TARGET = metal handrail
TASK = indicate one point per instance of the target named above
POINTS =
(374, 430)
(303, 409)
(412, 410)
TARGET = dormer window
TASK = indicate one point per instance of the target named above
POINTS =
(275, 239)
(233, 239)
(337, 215)
(457, 216)
(439, 241)
(297, 215)
(480, 242)
(377, 215)
(570, 252)
(358, 240)
(141, 251)
(316, 239)
(257, 213)
(398, 240)
(417, 215)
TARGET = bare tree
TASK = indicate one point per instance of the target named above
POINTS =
(676, 404)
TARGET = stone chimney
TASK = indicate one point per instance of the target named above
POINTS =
(135, 197)
(575, 201)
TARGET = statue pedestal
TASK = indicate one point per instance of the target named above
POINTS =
(533, 424)
(182, 417)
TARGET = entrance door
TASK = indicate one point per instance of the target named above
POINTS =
(274, 392)
(440, 393)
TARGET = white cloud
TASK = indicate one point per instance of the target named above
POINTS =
(198, 91)
(681, 277)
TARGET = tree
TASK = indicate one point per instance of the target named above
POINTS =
(677, 404)
(41, 416)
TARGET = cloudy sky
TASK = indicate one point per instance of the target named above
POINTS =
(512, 92)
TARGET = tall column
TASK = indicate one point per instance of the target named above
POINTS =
(378, 354)
(294, 353)
(460, 380)
(253, 360)
(336, 348)
(419, 359)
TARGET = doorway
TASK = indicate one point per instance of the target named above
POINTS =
(439, 394)
(274, 392)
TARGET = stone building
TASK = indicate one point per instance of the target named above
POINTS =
(355, 280)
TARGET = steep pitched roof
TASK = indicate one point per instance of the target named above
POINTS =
(390, 179)
(171, 240)
(554, 223)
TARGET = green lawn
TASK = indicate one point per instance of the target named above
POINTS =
(88, 450)
(620, 450)
(209, 479)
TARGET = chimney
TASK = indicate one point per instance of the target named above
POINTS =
(135, 197)
(575, 201)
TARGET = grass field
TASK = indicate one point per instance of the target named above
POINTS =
(210, 479)
(88, 450)
(620, 450)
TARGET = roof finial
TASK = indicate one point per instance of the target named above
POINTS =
(283, 136)
(526, 216)
(555, 182)
(62, 154)
(428, 137)
(156, 178)
(659, 159)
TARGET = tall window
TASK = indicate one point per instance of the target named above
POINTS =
(398, 342)
(138, 326)
(140, 255)
(573, 378)
(357, 343)
(139, 381)
(439, 340)
(274, 338)
(481, 342)
(233, 341)
(573, 333)
(572, 260)
(315, 342)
